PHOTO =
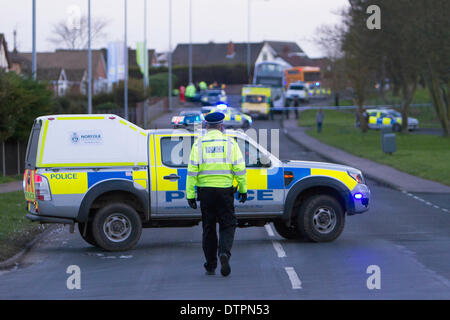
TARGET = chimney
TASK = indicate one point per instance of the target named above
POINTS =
(230, 50)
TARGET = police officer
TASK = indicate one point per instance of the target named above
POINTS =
(215, 161)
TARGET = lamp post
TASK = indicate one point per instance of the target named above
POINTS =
(126, 64)
(89, 60)
(190, 41)
(170, 55)
(33, 65)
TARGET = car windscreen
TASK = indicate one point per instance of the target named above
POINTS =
(192, 118)
(297, 87)
(213, 94)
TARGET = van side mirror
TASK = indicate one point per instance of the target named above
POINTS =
(264, 161)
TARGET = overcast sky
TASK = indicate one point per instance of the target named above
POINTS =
(213, 20)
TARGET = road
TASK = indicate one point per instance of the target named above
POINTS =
(408, 239)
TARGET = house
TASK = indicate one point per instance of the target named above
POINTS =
(287, 53)
(66, 70)
(5, 63)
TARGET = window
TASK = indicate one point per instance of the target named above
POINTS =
(255, 99)
(176, 151)
(252, 156)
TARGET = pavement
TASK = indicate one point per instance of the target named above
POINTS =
(382, 173)
(405, 235)
(11, 186)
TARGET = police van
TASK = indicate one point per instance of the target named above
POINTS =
(112, 178)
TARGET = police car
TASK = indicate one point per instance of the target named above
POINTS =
(233, 118)
(389, 118)
(188, 119)
(112, 179)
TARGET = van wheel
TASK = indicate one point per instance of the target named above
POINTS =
(321, 218)
(117, 227)
(286, 232)
(89, 237)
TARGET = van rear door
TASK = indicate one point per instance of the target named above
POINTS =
(30, 161)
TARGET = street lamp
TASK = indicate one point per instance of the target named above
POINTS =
(190, 41)
(126, 64)
(170, 55)
(248, 37)
(89, 60)
(33, 65)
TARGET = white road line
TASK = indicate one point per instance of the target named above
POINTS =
(295, 280)
(279, 249)
(426, 202)
(269, 230)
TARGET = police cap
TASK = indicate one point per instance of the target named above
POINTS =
(214, 118)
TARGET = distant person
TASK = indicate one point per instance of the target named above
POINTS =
(296, 105)
(319, 120)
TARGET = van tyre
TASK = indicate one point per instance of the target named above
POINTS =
(117, 227)
(290, 233)
(89, 237)
(321, 218)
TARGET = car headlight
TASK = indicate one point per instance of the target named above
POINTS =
(357, 176)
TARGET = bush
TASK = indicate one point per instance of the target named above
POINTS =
(21, 101)
(159, 84)
(70, 104)
(107, 106)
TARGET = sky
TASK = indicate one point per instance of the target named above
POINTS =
(212, 20)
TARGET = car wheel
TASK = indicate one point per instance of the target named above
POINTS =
(246, 125)
(321, 218)
(286, 232)
(117, 227)
(89, 237)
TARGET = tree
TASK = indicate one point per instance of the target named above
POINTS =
(74, 34)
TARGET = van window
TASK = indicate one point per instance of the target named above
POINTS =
(251, 155)
(33, 141)
(176, 151)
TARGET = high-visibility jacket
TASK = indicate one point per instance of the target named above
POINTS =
(215, 161)
(190, 91)
(203, 86)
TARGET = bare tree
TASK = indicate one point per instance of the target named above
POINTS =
(74, 35)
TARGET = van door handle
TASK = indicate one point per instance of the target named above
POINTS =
(173, 176)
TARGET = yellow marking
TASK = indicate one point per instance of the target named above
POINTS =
(372, 120)
(143, 133)
(74, 182)
(386, 121)
(256, 179)
(140, 177)
(152, 158)
(342, 176)
(166, 185)
(42, 144)
(80, 118)
(123, 122)
(135, 129)
(142, 163)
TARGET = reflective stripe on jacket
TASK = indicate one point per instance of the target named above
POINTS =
(215, 161)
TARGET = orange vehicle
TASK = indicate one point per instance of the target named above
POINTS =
(309, 75)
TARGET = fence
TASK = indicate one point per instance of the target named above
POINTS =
(12, 155)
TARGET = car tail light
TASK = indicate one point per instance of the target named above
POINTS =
(42, 188)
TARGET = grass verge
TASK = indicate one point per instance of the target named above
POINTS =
(6, 179)
(425, 156)
(15, 230)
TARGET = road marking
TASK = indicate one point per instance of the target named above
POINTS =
(293, 277)
(279, 249)
(269, 230)
(426, 202)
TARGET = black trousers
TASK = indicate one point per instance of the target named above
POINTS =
(217, 206)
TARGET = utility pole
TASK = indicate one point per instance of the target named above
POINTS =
(146, 71)
(248, 39)
(190, 41)
(89, 60)
(125, 86)
(33, 65)
(170, 55)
